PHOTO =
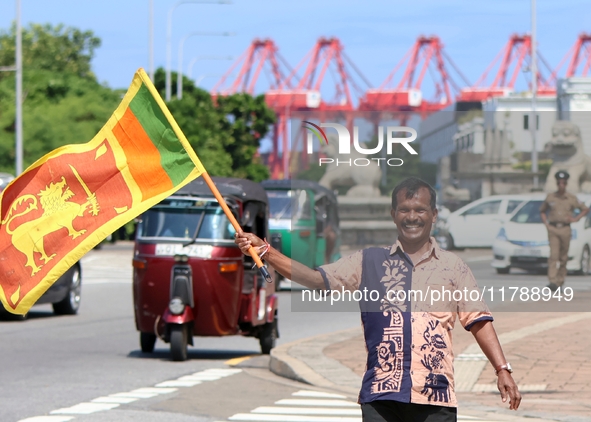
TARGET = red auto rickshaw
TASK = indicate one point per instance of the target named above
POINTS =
(190, 279)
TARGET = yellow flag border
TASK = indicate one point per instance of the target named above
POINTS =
(101, 233)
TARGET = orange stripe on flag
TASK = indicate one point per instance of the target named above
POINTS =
(143, 158)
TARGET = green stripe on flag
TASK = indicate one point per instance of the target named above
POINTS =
(173, 157)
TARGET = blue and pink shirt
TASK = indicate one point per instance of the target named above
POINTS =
(408, 330)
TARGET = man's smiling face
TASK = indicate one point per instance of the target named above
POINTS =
(414, 217)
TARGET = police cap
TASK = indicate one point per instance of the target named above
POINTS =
(561, 175)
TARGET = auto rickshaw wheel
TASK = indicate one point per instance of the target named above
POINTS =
(147, 342)
(178, 342)
(268, 336)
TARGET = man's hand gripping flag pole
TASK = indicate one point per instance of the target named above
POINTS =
(137, 159)
(252, 251)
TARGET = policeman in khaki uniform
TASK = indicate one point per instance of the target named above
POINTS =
(557, 215)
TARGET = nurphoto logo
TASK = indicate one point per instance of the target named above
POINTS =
(343, 147)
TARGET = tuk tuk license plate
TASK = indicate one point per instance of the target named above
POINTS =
(529, 252)
(199, 251)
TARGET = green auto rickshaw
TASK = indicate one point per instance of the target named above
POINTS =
(304, 221)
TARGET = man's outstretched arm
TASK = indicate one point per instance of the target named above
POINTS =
(487, 339)
(285, 266)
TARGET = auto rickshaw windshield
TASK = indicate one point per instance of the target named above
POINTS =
(179, 219)
(285, 204)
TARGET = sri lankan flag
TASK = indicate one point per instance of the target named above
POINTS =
(71, 199)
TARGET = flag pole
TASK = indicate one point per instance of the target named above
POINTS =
(177, 130)
(262, 269)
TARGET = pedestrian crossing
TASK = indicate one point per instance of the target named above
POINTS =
(112, 401)
(314, 406)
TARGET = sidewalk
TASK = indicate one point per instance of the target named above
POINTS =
(550, 354)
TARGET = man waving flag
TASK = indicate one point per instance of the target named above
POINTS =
(71, 199)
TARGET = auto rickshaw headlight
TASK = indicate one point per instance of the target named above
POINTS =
(176, 306)
(181, 258)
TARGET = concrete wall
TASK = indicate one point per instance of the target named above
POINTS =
(574, 104)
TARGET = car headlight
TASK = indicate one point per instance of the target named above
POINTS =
(502, 234)
(176, 306)
(574, 234)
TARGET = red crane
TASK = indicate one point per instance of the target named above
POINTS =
(516, 52)
(407, 95)
(253, 62)
(581, 48)
(579, 54)
(327, 56)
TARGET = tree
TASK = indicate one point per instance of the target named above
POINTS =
(225, 133)
(62, 101)
(64, 104)
(57, 49)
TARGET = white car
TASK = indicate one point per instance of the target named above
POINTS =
(477, 224)
(522, 242)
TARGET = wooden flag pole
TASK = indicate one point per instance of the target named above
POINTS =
(263, 270)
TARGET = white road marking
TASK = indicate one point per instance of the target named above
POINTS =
(288, 418)
(85, 408)
(200, 377)
(314, 410)
(134, 395)
(115, 400)
(151, 390)
(306, 411)
(177, 383)
(328, 403)
(108, 399)
(309, 393)
(220, 371)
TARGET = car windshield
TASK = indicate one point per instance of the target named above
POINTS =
(179, 219)
(529, 213)
(285, 204)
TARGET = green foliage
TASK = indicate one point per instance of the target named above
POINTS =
(63, 104)
(543, 166)
(468, 116)
(62, 101)
(226, 133)
(56, 49)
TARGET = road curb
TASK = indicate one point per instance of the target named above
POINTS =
(300, 361)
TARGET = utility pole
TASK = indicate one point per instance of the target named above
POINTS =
(151, 42)
(19, 93)
(534, 89)
(179, 75)
(168, 92)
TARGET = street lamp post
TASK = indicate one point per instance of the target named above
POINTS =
(19, 92)
(151, 42)
(534, 89)
(196, 59)
(179, 76)
(169, 37)
(206, 75)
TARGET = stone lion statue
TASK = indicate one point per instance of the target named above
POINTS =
(364, 180)
(566, 151)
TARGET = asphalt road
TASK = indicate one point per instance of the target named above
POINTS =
(51, 363)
